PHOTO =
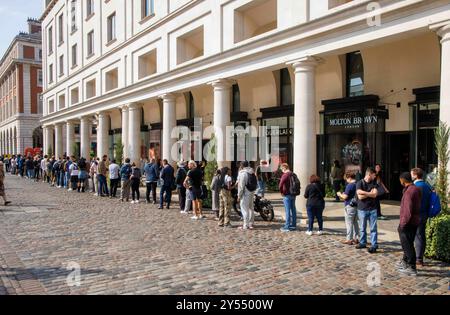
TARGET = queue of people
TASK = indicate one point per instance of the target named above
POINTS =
(361, 197)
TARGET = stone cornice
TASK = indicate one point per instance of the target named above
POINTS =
(300, 41)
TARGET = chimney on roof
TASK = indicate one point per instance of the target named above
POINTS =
(34, 26)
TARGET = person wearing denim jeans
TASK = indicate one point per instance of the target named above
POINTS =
(367, 191)
(315, 204)
(371, 216)
(288, 200)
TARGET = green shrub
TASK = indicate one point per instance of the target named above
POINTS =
(438, 238)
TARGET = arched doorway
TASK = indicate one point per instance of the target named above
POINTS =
(38, 138)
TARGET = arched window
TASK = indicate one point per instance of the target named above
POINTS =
(236, 99)
(285, 88)
(355, 74)
(191, 106)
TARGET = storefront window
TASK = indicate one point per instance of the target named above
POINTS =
(354, 138)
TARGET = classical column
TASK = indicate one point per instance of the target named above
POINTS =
(59, 150)
(48, 138)
(85, 135)
(125, 123)
(134, 129)
(103, 134)
(222, 112)
(70, 137)
(305, 146)
(169, 123)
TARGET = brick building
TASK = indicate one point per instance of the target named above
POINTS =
(20, 92)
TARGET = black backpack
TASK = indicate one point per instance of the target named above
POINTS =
(252, 182)
(294, 187)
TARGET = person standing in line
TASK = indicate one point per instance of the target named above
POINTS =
(248, 184)
(37, 167)
(420, 243)
(44, 164)
(179, 180)
(6, 163)
(288, 199)
(135, 182)
(102, 173)
(315, 204)
(20, 162)
(13, 165)
(215, 192)
(67, 171)
(82, 175)
(94, 176)
(51, 162)
(125, 175)
(263, 177)
(367, 192)
(56, 173)
(151, 180)
(224, 185)
(337, 178)
(193, 182)
(74, 172)
(30, 167)
(351, 211)
(167, 178)
(114, 178)
(409, 223)
(382, 191)
(62, 172)
(2, 184)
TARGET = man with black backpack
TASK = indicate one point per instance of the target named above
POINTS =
(248, 184)
(289, 189)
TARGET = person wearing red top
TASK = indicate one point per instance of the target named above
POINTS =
(409, 222)
(288, 200)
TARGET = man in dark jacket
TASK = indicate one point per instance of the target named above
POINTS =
(179, 180)
(409, 222)
(151, 179)
(167, 176)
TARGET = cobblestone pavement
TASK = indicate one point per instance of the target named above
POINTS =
(137, 249)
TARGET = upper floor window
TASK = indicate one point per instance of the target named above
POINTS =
(74, 55)
(112, 27)
(39, 78)
(61, 65)
(90, 43)
(50, 74)
(61, 28)
(89, 7)
(355, 74)
(148, 8)
(73, 15)
(50, 40)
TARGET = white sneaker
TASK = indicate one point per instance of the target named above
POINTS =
(137, 201)
(70, 189)
(183, 212)
(194, 217)
(309, 233)
(132, 201)
(319, 232)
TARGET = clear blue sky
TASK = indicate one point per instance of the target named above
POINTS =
(13, 19)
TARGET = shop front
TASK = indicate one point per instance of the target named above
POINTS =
(283, 118)
(352, 133)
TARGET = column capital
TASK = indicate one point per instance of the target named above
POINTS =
(304, 64)
(222, 83)
(70, 122)
(47, 127)
(102, 113)
(168, 97)
(124, 107)
(134, 106)
(442, 29)
(59, 124)
(86, 119)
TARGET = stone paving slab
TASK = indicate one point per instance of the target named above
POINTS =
(138, 249)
